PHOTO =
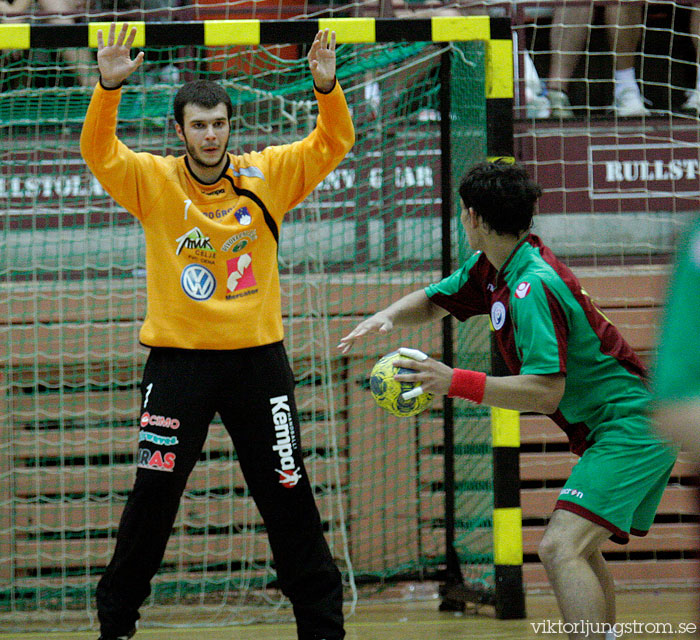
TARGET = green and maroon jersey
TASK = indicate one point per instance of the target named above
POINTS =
(546, 323)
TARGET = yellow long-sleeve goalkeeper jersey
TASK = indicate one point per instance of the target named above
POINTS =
(211, 249)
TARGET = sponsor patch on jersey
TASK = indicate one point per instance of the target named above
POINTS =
(498, 315)
(240, 275)
(194, 239)
(574, 493)
(198, 282)
(217, 214)
(147, 459)
(163, 441)
(248, 172)
(149, 419)
(243, 216)
(285, 442)
(522, 290)
(240, 241)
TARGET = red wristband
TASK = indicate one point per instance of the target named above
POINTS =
(468, 384)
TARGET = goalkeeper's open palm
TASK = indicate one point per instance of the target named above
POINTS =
(114, 58)
(322, 60)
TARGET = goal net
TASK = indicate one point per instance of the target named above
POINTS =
(73, 297)
(609, 108)
(607, 124)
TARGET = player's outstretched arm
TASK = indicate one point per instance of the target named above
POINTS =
(378, 323)
(114, 58)
(529, 392)
(413, 309)
(322, 60)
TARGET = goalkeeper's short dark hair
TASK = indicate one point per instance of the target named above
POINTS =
(203, 93)
(502, 194)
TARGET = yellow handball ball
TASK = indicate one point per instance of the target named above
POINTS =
(387, 391)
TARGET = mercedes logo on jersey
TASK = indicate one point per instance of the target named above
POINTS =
(198, 282)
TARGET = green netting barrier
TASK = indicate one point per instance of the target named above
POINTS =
(34, 93)
(473, 460)
(73, 297)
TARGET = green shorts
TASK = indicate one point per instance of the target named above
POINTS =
(619, 485)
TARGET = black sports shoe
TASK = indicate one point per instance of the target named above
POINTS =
(126, 637)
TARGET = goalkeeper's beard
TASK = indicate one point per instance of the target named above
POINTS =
(197, 158)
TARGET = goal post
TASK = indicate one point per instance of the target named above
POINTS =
(399, 499)
(505, 591)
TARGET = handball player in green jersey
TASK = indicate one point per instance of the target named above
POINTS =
(677, 373)
(677, 379)
(567, 361)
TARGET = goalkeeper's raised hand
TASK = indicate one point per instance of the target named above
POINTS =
(322, 60)
(114, 58)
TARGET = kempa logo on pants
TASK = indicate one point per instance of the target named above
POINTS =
(290, 474)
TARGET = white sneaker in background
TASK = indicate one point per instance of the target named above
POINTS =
(536, 102)
(538, 108)
(692, 102)
(373, 97)
(428, 115)
(629, 102)
(170, 74)
(559, 104)
(533, 84)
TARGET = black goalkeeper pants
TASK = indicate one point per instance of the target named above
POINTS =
(253, 392)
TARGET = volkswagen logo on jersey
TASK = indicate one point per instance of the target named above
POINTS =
(498, 315)
(522, 289)
(198, 282)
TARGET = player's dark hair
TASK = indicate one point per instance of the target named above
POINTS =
(203, 93)
(502, 195)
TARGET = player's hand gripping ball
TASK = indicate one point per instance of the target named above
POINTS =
(389, 393)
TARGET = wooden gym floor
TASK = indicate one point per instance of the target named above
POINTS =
(421, 621)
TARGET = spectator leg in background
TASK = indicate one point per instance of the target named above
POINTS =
(570, 27)
(624, 25)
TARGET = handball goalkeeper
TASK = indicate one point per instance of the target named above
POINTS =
(214, 326)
